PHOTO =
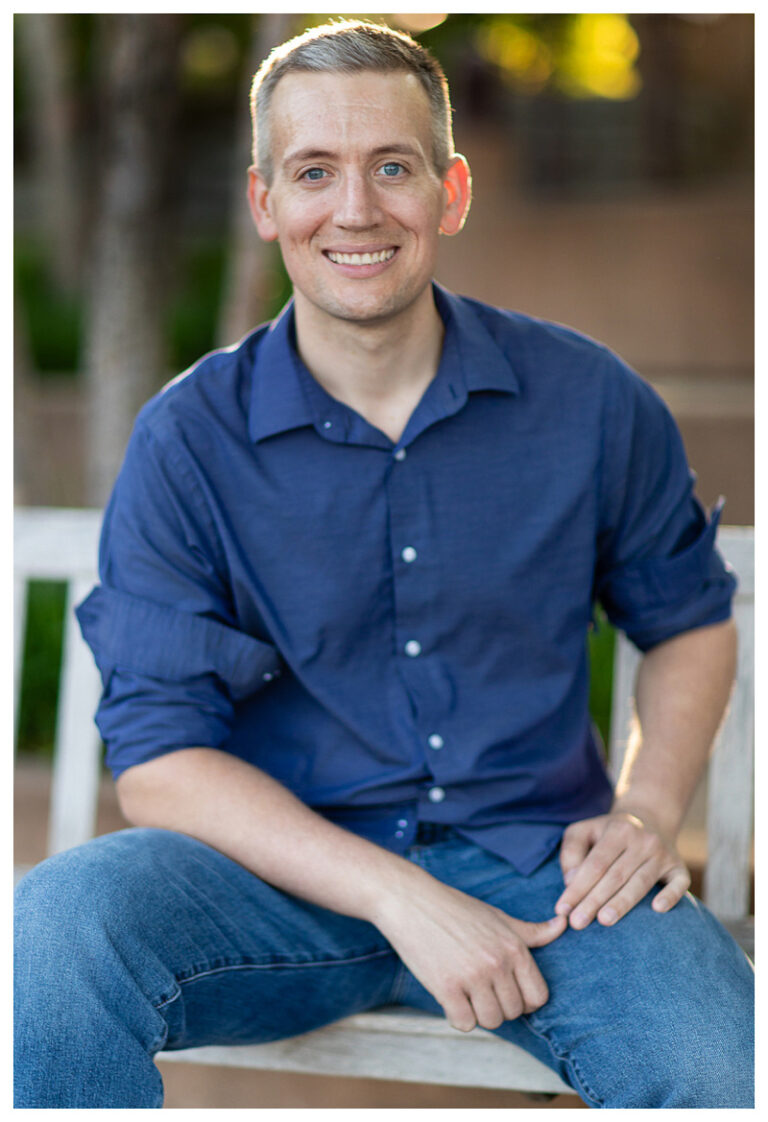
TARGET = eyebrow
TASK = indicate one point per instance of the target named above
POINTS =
(324, 153)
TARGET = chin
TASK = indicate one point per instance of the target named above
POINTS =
(372, 310)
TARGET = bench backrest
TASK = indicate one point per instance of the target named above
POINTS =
(54, 544)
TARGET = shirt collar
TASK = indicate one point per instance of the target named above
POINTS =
(279, 396)
(483, 364)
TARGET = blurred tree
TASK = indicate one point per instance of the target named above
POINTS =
(251, 263)
(125, 327)
(45, 48)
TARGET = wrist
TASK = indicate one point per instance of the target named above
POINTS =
(389, 894)
(663, 817)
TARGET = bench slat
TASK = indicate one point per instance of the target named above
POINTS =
(19, 622)
(729, 795)
(397, 1043)
(75, 780)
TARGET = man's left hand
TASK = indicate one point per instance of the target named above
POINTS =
(611, 862)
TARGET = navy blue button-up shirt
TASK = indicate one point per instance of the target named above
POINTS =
(398, 632)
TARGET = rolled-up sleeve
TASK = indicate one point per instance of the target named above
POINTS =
(172, 659)
(659, 572)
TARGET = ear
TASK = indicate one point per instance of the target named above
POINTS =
(457, 192)
(258, 200)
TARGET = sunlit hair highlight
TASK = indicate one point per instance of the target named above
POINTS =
(349, 47)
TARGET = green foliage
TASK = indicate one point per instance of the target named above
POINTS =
(54, 321)
(601, 643)
(41, 664)
(194, 307)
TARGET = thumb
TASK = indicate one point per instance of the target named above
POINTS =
(539, 934)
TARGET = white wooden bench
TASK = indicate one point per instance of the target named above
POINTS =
(392, 1043)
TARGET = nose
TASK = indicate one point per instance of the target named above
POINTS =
(356, 205)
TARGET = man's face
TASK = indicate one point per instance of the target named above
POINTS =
(355, 201)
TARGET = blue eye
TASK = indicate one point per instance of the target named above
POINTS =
(314, 173)
(392, 169)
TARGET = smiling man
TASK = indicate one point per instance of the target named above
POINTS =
(347, 574)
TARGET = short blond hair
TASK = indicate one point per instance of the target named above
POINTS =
(349, 47)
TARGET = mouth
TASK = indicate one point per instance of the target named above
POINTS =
(361, 259)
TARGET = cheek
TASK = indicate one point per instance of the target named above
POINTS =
(297, 224)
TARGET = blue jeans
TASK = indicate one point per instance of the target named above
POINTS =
(146, 940)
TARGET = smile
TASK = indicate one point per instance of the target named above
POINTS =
(376, 258)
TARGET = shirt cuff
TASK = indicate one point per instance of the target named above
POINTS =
(659, 597)
(150, 639)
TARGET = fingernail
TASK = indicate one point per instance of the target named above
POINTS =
(579, 919)
(608, 916)
(562, 909)
(568, 877)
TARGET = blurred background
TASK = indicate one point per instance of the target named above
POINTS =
(613, 174)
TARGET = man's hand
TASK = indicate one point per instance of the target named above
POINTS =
(473, 958)
(609, 863)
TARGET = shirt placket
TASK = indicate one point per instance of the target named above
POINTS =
(416, 570)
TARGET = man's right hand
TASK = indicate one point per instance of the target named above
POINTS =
(473, 958)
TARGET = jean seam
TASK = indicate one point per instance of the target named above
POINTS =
(279, 966)
(569, 1062)
(161, 1004)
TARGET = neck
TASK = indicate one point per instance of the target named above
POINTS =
(379, 369)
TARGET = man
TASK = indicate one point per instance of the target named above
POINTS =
(347, 573)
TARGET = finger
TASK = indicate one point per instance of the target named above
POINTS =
(591, 872)
(487, 1009)
(539, 934)
(636, 888)
(511, 1001)
(577, 841)
(531, 984)
(459, 1012)
(678, 882)
(638, 885)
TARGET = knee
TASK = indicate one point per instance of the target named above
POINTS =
(81, 893)
(696, 1061)
(718, 1068)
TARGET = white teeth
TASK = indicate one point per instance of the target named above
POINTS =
(361, 258)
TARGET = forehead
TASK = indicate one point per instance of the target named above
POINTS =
(349, 110)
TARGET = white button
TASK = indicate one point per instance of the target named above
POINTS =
(400, 454)
(402, 823)
(436, 794)
(409, 553)
(327, 424)
(399, 834)
(267, 677)
(435, 741)
(413, 648)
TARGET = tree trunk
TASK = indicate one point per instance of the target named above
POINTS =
(250, 262)
(45, 48)
(125, 353)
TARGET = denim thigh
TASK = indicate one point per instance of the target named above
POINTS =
(657, 1010)
(221, 956)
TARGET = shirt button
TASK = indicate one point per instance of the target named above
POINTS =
(400, 454)
(409, 553)
(399, 834)
(267, 677)
(327, 424)
(436, 794)
(413, 648)
(402, 823)
(435, 741)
